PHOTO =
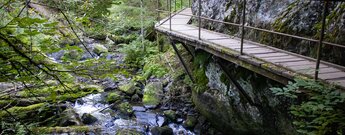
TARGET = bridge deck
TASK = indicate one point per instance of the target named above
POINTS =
(278, 63)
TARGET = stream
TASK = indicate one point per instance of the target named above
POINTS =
(142, 121)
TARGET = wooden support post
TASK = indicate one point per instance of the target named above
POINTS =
(234, 82)
(199, 19)
(181, 60)
(322, 34)
(243, 22)
(187, 48)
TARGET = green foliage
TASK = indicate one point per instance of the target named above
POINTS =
(321, 112)
(136, 52)
(201, 80)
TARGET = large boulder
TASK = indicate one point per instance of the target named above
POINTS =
(99, 49)
(88, 118)
(129, 88)
(230, 112)
(152, 94)
(113, 97)
(69, 118)
(162, 131)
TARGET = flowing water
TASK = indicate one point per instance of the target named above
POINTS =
(109, 122)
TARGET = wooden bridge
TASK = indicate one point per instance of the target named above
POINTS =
(273, 63)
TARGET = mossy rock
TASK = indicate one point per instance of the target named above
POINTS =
(92, 88)
(87, 118)
(69, 118)
(122, 39)
(170, 114)
(125, 108)
(129, 88)
(99, 49)
(69, 129)
(22, 112)
(152, 94)
(190, 122)
(128, 132)
(162, 131)
(113, 97)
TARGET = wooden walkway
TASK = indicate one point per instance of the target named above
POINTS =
(271, 62)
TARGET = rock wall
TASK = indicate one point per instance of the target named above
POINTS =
(297, 17)
(231, 112)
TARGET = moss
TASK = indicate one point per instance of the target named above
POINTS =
(125, 108)
(70, 129)
(21, 112)
(190, 122)
(129, 88)
(170, 114)
(152, 93)
(224, 79)
(113, 97)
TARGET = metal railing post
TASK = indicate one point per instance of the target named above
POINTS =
(243, 22)
(322, 34)
(199, 18)
(188, 3)
(170, 15)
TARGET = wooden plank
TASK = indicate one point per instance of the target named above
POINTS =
(275, 54)
(280, 57)
(302, 68)
(286, 60)
(226, 41)
(328, 76)
(257, 51)
(305, 62)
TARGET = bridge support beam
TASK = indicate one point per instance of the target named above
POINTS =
(188, 49)
(233, 81)
(173, 44)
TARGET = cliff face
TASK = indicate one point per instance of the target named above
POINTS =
(297, 17)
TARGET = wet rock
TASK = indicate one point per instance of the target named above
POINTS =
(190, 122)
(57, 55)
(113, 97)
(138, 109)
(87, 55)
(129, 88)
(170, 114)
(98, 49)
(109, 84)
(162, 131)
(152, 94)
(135, 98)
(179, 120)
(88, 118)
(149, 118)
(69, 118)
(128, 132)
